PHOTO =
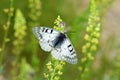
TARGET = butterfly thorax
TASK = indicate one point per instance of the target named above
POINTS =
(59, 40)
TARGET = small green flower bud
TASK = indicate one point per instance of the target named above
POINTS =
(90, 56)
(56, 78)
(84, 49)
(45, 75)
(83, 59)
(87, 37)
(87, 45)
(94, 40)
(59, 67)
(60, 73)
(93, 48)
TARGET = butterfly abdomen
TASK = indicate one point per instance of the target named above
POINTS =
(59, 40)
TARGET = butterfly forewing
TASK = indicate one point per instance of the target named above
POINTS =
(45, 36)
(66, 52)
(44, 33)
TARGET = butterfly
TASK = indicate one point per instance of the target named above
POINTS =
(57, 43)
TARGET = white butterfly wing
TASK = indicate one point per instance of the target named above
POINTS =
(45, 36)
(66, 52)
(45, 46)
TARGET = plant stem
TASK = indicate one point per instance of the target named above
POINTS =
(6, 32)
(53, 74)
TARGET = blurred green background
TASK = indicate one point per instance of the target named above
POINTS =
(21, 57)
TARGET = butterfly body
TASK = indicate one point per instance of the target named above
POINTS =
(59, 40)
(57, 43)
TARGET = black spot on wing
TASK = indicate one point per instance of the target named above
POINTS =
(72, 53)
(51, 30)
(70, 48)
(69, 45)
(46, 30)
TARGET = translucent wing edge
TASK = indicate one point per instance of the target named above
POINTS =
(36, 32)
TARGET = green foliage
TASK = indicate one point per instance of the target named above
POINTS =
(21, 58)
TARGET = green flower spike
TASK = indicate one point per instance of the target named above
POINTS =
(55, 67)
(91, 40)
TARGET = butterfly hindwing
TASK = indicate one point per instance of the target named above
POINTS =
(45, 36)
(65, 52)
